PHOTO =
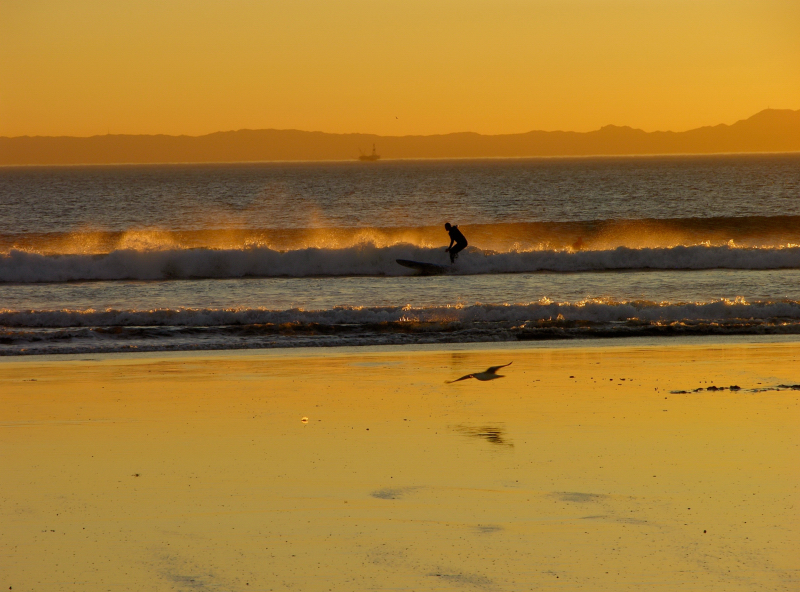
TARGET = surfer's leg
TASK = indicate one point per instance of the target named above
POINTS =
(455, 251)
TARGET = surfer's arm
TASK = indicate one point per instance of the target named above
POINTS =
(452, 240)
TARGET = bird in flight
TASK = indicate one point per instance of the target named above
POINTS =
(488, 374)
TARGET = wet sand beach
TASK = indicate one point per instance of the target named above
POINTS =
(580, 470)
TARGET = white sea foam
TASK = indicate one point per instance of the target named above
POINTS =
(369, 260)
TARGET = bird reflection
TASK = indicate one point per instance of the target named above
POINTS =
(488, 374)
(492, 434)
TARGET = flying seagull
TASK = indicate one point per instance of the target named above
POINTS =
(488, 374)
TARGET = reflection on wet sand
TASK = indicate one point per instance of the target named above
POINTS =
(392, 492)
(576, 496)
(491, 433)
(399, 481)
(488, 528)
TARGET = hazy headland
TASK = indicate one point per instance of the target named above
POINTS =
(771, 130)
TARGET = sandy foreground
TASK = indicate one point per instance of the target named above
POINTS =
(577, 471)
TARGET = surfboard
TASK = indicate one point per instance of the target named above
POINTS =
(424, 268)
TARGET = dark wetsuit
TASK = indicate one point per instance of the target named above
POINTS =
(459, 240)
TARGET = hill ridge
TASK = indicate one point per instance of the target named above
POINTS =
(769, 130)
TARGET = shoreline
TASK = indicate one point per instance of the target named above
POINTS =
(326, 351)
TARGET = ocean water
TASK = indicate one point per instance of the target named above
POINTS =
(254, 255)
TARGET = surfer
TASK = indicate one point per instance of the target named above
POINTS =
(457, 238)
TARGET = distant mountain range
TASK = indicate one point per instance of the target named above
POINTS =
(771, 130)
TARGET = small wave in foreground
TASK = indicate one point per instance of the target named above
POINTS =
(73, 331)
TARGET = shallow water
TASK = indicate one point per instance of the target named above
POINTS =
(262, 255)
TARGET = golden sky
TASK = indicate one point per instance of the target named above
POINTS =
(85, 67)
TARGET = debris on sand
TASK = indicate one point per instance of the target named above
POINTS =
(736, 387)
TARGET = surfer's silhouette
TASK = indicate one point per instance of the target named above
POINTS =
(455, 238)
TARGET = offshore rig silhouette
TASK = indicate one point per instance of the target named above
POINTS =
(369, 157)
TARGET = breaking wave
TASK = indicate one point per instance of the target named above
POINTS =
(369, 260)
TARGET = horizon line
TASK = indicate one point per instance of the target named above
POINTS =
(399, 159)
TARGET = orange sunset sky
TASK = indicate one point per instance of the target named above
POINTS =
(85, 67)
